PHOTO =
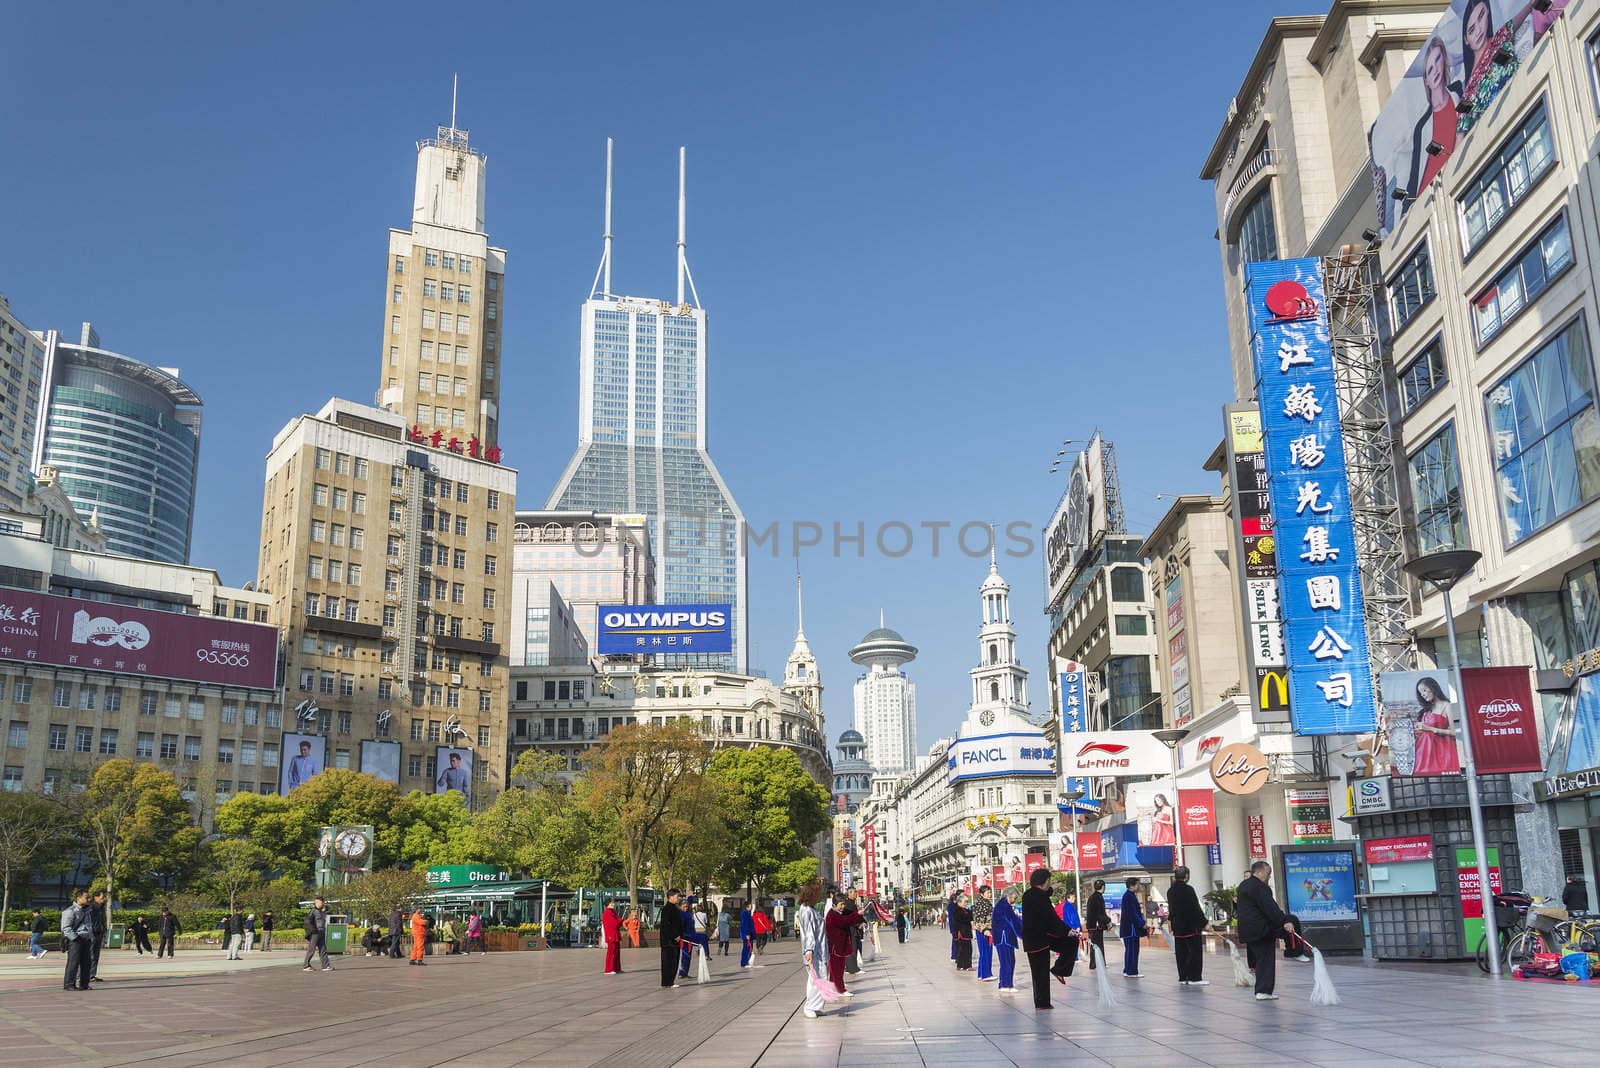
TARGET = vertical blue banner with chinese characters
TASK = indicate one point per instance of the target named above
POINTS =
(1074, 712)
(1325, 624)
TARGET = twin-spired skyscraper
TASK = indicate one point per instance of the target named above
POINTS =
(642, 440)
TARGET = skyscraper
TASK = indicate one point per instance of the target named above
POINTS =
(886, 701)
(22, 362)
(441, 341)
(642, 440)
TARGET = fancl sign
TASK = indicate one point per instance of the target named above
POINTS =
(670, 628)
(441, 875)
(986, 756)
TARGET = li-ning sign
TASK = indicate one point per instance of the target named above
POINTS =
(685, 628)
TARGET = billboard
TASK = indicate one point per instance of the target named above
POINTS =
(1150, 806)
(1324, 616)
(452, 770)
(304, 757)
(96, 636)
(1499, 704)
(627, 629)
(1074, 689)
(1474, 49)
(1079, 522)
(1419, 715)
(381, 760)
(1116, 754)
(1256, 546)
(1320, 886)
(987, 755)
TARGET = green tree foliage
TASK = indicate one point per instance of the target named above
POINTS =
(696, 834)
(30, 827)
(781, 811)
(288, 827)
(234, 867)
(370, 898)
(438, 829)
(275, 824)
(135, 822)
(538, 827)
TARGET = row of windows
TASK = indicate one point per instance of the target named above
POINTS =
(340, 463)
(87, 697)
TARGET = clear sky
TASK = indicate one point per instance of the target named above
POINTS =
(933, 240)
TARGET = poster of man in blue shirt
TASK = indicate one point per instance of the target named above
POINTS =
(454, 771)
(304, 758)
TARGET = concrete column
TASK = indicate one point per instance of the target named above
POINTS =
(1275, 814)
(1233, 833)
(1510, 643)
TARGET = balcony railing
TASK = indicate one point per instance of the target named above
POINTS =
(1258, 162)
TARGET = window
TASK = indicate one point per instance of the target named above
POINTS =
(230, 712)
(274, 715)
(447, 291)
(62, 696)
(144, 746)
(463, 294)
(171, 707)
(1501, 185)
(1132, 625)
(430, 257)
(335, 574)
(491, 532)
(488, 598)
(22, 692)
(430, 288)
(433, 730)
(358, 535)
(459, 556)
(447, 322)
(394, 324)
(360, 468)
(1258, 233)
(399, 295)
(197, 708)
(319, 494)
(414, 765)
(169, 747)
(17, 734)
(1436, 488)
(492, 310)
(1523, 281)
(86, 698)
(488, 565)
(429, 319)
(461, 493)
(269, 754)
(1546, 435)
(1422, 376)
(83, 740)
(319, 530)
(341, 758)
(449, 262)
(323, 459)
(483, 705)
(494, 499)
(494, 283)
(191, 748)
(341, 498)
(252, 714)
(225, 751)
(399, 265)
(313, 570)
(58, 737)
(1127, 584)
(12, 782)
(1411, 287)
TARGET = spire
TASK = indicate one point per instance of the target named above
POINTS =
(994, 568)
(799, 607)
(602, 276)
(684, 273)
(455, 84)
(880, 617)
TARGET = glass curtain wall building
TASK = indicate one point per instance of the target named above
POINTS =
(124, 439)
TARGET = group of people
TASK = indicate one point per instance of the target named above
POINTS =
(997, 926)
(685, 925)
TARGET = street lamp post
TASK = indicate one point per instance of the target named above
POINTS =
(1071, 799)
(1443, 570)
(1171, 738)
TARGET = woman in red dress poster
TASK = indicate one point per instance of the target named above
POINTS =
(1161, 823)
(1436, 736)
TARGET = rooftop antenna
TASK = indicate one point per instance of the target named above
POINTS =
(799, 603)
(603, 273)
(455, 82)
(683, 255)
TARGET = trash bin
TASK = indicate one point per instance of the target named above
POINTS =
(338, 939)
(115, 935)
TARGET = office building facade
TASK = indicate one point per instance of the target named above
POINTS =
(22, 365)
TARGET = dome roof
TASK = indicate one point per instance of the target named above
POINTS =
(852, 737)
(994, 582)
(882, 634)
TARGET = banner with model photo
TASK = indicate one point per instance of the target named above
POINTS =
(1419, 716)
(381, 760)
(304, 757)
(1474, 49)
(1150, 806)
(452, 771)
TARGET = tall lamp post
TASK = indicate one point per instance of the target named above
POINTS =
(1443, 570)
(1069, 804)
(1171, 737)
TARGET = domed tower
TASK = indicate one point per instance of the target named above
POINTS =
(886, 700)
(999, 682)
(800, 674)
(852, 774)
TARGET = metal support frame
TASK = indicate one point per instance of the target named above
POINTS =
(1372, 470)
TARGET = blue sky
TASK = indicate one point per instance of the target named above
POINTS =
(933, 240)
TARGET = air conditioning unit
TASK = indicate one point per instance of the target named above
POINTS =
(455, 680)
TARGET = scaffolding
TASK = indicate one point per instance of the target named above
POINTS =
(1375, 501)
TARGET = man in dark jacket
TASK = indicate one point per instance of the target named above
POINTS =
(97, 912)
(1575, 897)
(1043, 931)
(140, 929)
(671, 932)
(36, 937)
(317, 935)
(1260, 920)
(77, 936)
(167, 928)
(397, 924)
(1096, 920)
(1132, 929)
(266, 930)
(1188, 925)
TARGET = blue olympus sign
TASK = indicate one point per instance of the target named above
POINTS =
(1324, 618)
(985, 756)
(664, 628)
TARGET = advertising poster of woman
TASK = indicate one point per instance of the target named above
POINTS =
(1150, 805)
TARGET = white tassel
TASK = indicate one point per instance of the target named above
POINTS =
(705, 969)
(1322, 991)
(1241, 970)
(1102, 978)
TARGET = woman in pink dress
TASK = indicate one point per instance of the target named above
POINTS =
(1161, 823)
(1436, 736)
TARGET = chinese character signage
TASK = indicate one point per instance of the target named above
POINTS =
(42, 628)
(1499, 702)
(1320, 887)
(869, 851)
(1074, 714)
(1310, 815)
(672, 628)
(1258, 837)
(464, 446)
(1256, 547)
(1324, 619)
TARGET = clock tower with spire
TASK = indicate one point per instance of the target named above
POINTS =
(800, 675)
(999, 682)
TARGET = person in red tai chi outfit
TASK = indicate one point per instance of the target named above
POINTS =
(841, 940)
(611, 928)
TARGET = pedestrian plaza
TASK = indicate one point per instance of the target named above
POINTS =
(911, 1008)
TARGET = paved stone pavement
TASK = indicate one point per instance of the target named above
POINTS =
(911, 1008)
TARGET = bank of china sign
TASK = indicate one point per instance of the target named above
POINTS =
(668, 628)
(990, 755)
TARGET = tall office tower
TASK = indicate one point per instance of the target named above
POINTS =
(886, 701)
(642, 441)
(123, 439)
(441, 335)
(387, 565)
(22, 363)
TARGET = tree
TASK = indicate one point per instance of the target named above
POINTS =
(236, 866)
(539, 826)
(29, 825)
(287, 832)
(695, 835)
(438, 830)
(375, 894)
(136, 822)
(783, 810)
(339, 795)
(633, 780)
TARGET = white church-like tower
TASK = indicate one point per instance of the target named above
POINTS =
(999, 682)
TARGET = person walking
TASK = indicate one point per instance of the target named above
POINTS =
(813, 944)
(1260, 920)
(97, 913)
(1188, 926)
(1006, 926)
(763, 926)
(266, 931)
(397, 925)
(686, 942)
(419, 937)
(1042, 931)
(1132, 928)
(316, 931)
(233, 928)
(447, 935)
(901, 923)
(140, 929)
(747, 936)
(610, 930)
(631, 925)
(167, 930)
(950, 923)
(250, 932)
(982, 919)
(839, 927)
(671, 931)
(1575, 896)
(36, 938)
(963, 921)
(1096, 920)
(77, 936)
(722, 928)
(475, 934)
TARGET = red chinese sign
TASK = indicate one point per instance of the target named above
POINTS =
(1399, 850)
(1198, 815)
(1258, 838)
(1089, 850)
(1467, 875)
(1033, 861)
(998, 878)
(1500, 714)
(471, 447)
(96, 636)
(869, 847)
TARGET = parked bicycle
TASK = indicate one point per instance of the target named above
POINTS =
(1526, 925)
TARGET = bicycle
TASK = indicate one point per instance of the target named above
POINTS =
(1550, 930)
